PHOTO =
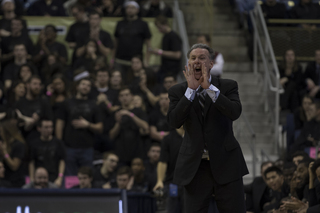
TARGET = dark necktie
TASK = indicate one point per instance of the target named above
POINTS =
(202, 99)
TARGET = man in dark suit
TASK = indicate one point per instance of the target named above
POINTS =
(210, 160)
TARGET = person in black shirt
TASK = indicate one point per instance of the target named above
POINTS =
(94, 32)
(273, 10)
(48, 152)
(16, 37)
(85, 176)
(152, 162)
(171, 49)
(124, 178)
(125, 129)
(3, 183)
(130, 35)
(77, 121)
(46, 8)
(12, 150)
(104, 176)
(141, 182)
(170, 147)
(312, 76)
(47, 45)
(159, 126)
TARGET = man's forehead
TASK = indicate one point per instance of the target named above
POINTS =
(199, 51)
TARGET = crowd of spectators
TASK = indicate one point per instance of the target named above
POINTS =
(290, 185)
(100, 115)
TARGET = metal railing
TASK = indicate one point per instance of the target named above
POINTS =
(263, 49)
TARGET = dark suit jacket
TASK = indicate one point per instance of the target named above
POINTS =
(226, 158)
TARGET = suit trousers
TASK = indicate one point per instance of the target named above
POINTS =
(229, 197)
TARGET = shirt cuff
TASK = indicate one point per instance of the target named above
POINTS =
(213, 93)
(190, 93)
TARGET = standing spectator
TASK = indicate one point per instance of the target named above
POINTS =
(110, 8)
(152, 162)
(15, 93)
(124, 178)
(11, 71)
(304, 113)
(154, 8)
(46, 8)
(217, 68)
(159, 126)
(25, 73)
(18, 7)
(291, 79)
(312, 76)
(47, 45)
(170, 147)
(17, 36)
(40, 181)
(12, 150)
(47, 152)
(85, 176)
(130, 35)
(170, 51)
(104, 176)
(77, 121)
(3, 183)
(94, 32)
(78, 29)
(306, 9)
(32, 108)
(125, 131)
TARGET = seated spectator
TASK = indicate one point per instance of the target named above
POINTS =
(300, 181)
(217, 68)
(104, 176)
(110, 8)
(3, 183)
(124, 178)
(15, 93)
(12, 150)
(52, 66)
(125, 128)
(8, 9)
(171, 48)
(47, 45)
(159, 126)
(299, 156)
(95, 33)
(135, 70)
(310, 134)
(257, 192)
(11, 71)
(306, 10)
(289, 169)
(46, 8)
(152, 162)
(116, 81)
(304, 113)
(138, 102)
(88, 59)
(314, 186)
(169, 81)
(273, 10)
(291, 79)
(141, 182)
(280, 189)
(78, 119)
(25, 73)
(41, 180)
(154, 8)
(47, 152)
(17, 36)
(58, 92)
(312, 76)
(32, 108)
(85, 176)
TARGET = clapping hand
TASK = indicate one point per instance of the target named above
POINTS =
(80, 123)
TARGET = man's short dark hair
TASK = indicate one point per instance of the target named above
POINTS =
(161, 19)
(202, 46)
(306, 162)
(125, 170)
(154, 145)
(85, 170)
(86, 78)
(39, 123)
(265, 163)
(300, 153)
(170, 75)
(273, 169)
(34, 77)
(18, 19)
(107, 154)
(52, 27)
(125, 88)
(95, 13)
(79, 7)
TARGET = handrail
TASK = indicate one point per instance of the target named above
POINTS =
(256, 15)
(294, 21)
(252, 143)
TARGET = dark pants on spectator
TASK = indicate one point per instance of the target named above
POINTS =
(198, 193)
(77, 158)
